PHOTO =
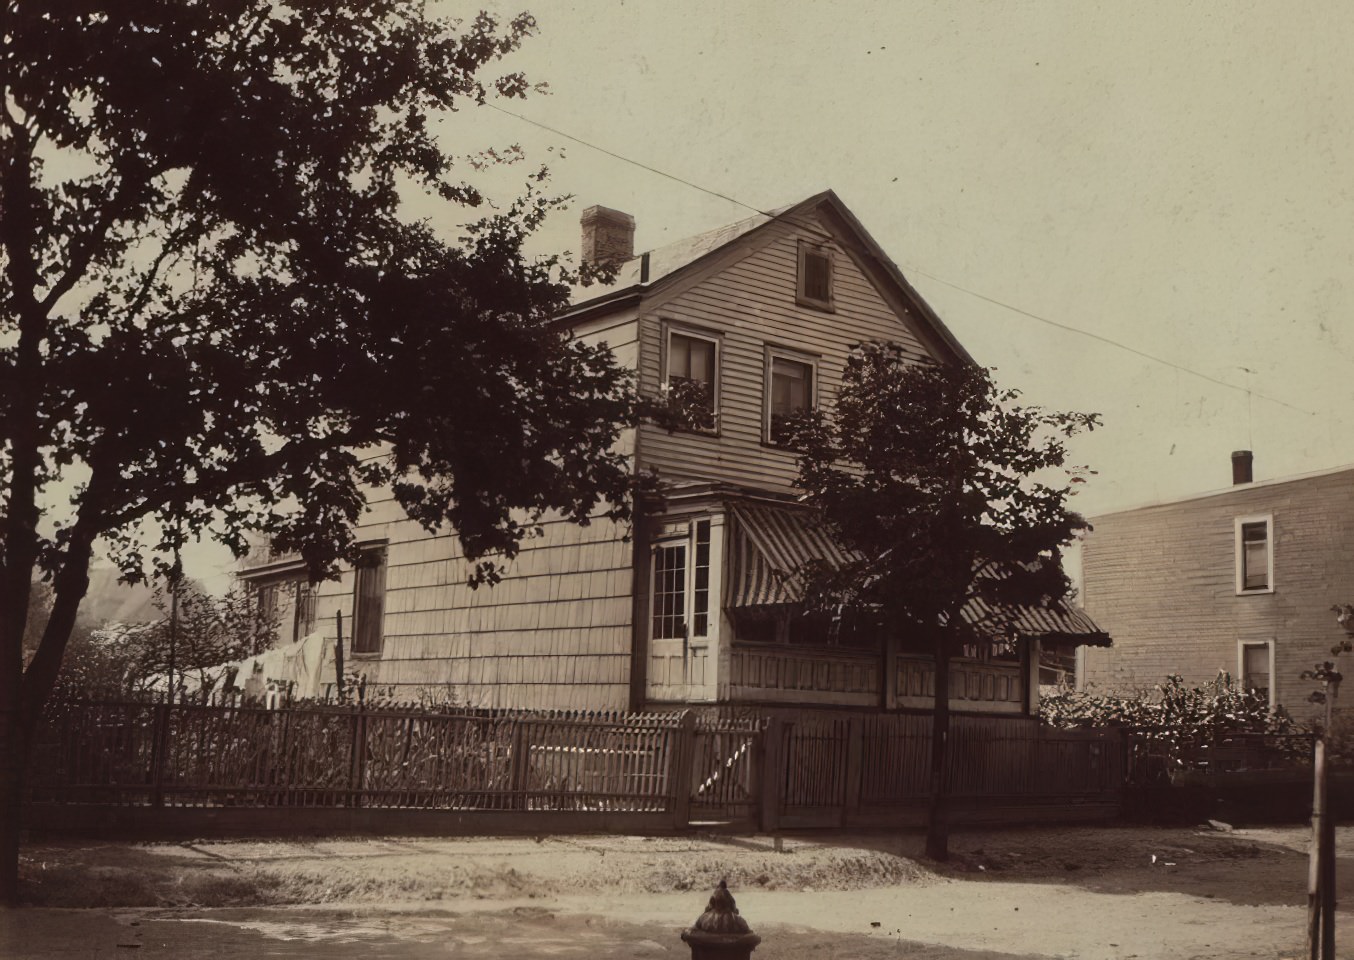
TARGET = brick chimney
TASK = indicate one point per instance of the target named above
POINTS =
(1241, 466)
(608, 236)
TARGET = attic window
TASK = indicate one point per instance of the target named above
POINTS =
(815, 276)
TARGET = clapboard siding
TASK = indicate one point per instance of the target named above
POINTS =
(1161, 581)
(751, 304)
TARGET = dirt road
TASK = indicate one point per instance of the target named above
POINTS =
(1073, 892)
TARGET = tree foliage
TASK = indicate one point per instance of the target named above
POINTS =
(218, 316)
(190, 643)
(941, 486)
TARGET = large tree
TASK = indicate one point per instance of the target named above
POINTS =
(216, 306)
(945, 490)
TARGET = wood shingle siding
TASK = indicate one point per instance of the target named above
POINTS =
(554, 634)
(1162, 581)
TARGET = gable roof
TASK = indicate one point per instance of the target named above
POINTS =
(668, 264)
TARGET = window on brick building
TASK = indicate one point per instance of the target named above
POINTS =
(1255, 555)
(1256, 667)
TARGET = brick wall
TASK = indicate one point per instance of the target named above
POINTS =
(1161, 580)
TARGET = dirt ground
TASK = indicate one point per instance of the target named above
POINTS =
(1088, 892)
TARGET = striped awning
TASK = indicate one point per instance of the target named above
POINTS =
(772, 545)
(1061, 621)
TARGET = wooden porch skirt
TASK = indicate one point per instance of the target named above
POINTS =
(833, 676)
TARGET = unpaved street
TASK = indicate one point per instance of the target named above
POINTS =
(1070, 892)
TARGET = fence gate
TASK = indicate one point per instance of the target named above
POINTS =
(726, 759)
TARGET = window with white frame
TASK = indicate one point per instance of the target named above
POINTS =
(369, 596)
(1255, 667)
(1254, 554)
(814, 287)
(791, 383)
(691, 377)
(679, 596)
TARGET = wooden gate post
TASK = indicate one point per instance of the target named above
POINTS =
(682, 775)
(772, 778)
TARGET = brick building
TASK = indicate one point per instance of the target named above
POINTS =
(1239, 580)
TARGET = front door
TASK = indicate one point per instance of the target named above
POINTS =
(680, 616)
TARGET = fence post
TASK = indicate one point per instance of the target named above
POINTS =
(682, 773)
(855, 750)
(282, 765)
(158, 748)
(357, 769)
(773, 775)
(519, 766)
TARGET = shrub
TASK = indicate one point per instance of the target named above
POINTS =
(1171, 714)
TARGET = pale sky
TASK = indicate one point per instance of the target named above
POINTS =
(1172, 176)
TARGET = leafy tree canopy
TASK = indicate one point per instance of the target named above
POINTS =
(938, 482)
(213, 306)
(942, 486)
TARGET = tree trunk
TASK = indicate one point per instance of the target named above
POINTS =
(23, 694)
(13, 758)
(938, 818)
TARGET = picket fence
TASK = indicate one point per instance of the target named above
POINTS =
(654, 770)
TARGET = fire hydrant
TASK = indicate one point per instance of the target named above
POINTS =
(720, 933)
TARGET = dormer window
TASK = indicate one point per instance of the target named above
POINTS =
(815, 276)
(692, 378)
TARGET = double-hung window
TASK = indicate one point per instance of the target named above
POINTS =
(680, 592)
(1256, 667)
(791, 383)
(1254, 537)
(692, 377)
(369, 596)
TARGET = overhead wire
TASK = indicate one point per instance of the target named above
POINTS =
(915, 271)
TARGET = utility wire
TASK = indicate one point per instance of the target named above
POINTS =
(1113, 343)
(624, 159)
(817, 230)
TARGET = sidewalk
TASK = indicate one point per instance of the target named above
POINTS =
(1074, 892)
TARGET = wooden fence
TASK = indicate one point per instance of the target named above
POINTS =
(1158, 756)
(142, 754)
(876, 769)
(508, 770)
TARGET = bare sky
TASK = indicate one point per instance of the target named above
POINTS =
(1170, 175)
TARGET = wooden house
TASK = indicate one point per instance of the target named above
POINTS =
(1238, 581)
(749, 323)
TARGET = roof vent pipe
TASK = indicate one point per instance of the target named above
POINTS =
(1241, 466)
